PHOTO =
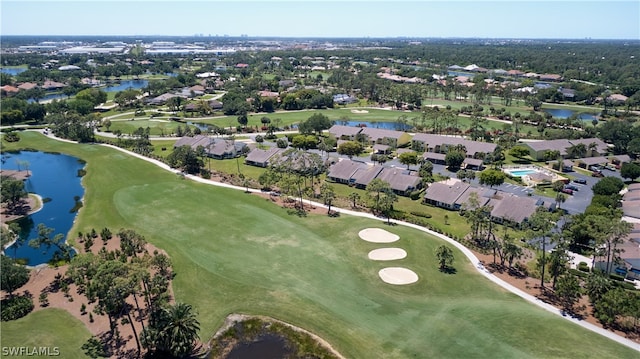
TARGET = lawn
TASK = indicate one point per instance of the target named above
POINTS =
(235, 252)
(49, 328)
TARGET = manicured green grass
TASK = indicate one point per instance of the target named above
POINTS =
(47, 328)
(235, 252)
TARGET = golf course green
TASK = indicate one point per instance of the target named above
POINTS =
(239, 253)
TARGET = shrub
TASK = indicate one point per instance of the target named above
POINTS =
(415, 195)
(582, 266)
(44, 300)
(421, 214)
(616, 277)
(15, 307)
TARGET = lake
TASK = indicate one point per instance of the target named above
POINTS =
(13, 70)
(127, 84)
(564, 113)
(53, 176)
(382, 124)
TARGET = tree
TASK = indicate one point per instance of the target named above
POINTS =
(94, 349)
(316, 123)
(354, 197)
(12, 275)
(597, 285)
(382, 197)
(453, 159)
(492, 177)
(444, 255)
(243, 120)
(540, 226)
(560, 199)
(93, 95)
(172, 330)
(426, 169)
(630, 170)
(408, 158)
(12, 192)
(185, 158)
(577, 151)
(608, 186)
(519, 151)
(328, 194)
(568, 291)
(63, 251)
(350, 148)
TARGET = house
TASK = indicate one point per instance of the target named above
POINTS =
(381, 149)
(360, 174)
(391, 138)
(455, 195)
(595, 147)
(569, 94)
(214, 147)
(285, 83)
(9, 89)
(343, 171)
(27, 86)
(343, 99)
(441, 144)
(269, 94)
(550, 77)
(52, 85)
(508, 207)
(629, 264)
(215, 104)
(473, 164)
(365, 174)
(347, 133)
(434, 157)
(162, 99)
(260, 158)
(401, 181)
(445, 195)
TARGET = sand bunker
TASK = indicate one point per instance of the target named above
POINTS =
(159, 120)
(387, 254)
(398, 275)
(377, 235)
(359, 111)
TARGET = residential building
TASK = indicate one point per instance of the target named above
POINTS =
(440, 144)
(260, 158)
(537, 150)
(217, 148)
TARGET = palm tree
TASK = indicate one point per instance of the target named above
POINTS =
(179, 330)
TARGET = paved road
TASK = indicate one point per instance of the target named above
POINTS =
(474, 260)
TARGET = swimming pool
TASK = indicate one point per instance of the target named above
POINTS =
(520, 173)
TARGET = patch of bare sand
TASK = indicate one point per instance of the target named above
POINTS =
(398, 275)
(359, 111)
(377, 235)
(387, 254)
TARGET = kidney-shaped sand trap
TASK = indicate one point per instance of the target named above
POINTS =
(377, 235)
(398, 275)
(387, 254)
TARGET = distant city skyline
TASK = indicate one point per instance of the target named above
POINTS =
(570, 19)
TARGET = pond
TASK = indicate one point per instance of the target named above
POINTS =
(127, 84)
(265, 347)
(55, 178)
(564, 113)
(382, 124)
(12, 70)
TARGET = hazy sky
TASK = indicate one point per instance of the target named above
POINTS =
(576, 19)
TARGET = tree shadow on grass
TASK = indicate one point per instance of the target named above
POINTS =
(448, 270)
